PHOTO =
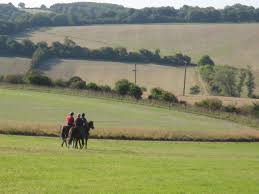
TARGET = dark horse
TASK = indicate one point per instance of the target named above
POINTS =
(77, 135)
(64, 134)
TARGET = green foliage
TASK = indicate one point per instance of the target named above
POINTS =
(38, 57)
(122, 87)
(255, 109)
(61, 83)
(40, 80)
(106, 88)
(206, 60)
(207, 73)
(225, 78)
(250, 83)
(242, 77)
(160, 94)
(210, 104)
(78, 85)
(195, 90)
(14, 79)
(232, 109)
(135, 91)
(93, 86)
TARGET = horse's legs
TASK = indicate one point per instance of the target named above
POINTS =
(86, 140)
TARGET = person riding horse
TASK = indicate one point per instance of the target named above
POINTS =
(65, 129)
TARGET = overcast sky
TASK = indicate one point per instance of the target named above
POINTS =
(144, 3)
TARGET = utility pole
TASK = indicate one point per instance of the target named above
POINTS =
(135, 71)
(184, 83)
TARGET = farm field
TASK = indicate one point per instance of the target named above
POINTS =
(50, 108)
(40, 165)
(42, 113)
(14, 65)
(107, 73)
(232, 44)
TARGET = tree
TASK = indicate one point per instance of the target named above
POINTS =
(122, 87)
(38, 56)
(250, 83)
(21, 5)
(135, 91)
(43, 6)
(195, 90)
(225, 78)
(206, 60)
(242, 77)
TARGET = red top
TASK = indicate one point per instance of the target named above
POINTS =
(70, 120)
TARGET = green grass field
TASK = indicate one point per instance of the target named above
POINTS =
(40, 165)
(47, 108)
(101, 72)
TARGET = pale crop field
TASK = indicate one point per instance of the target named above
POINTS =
(14, 65)
(40, 165)
(233, 44)
(107, 73)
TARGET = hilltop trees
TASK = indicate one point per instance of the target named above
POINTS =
(21, 5)
(206, 60)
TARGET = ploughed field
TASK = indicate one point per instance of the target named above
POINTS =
(107, 73)
(40, 165)
(42, 113)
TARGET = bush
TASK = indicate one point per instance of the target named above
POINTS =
(78, 85)
(206, 60)
(74, 79)
(195, 90)
(122, 87)
(169, 97)
(156, 94)
(61, 83)
(135, 91)
(14, 79)
(231, 109)
(1, 78)
(40, 80)
(255, 109)
(93, 86)
(106, 88)
(211, 104)
(160, 94)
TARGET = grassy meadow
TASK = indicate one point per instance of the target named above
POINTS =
(40, 165)
(107, 73)
(42, 113)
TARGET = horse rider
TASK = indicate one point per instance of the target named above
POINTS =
(85, 122)
(70, 120)
(79, 121)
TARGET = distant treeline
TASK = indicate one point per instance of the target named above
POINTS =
(13, 20)
(69, 49)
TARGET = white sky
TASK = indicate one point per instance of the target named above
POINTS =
(143, 3)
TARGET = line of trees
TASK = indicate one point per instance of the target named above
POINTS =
(69, 49)
(225, 80)
(13, 20)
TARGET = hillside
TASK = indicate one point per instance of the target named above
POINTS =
(107, 73)
(225, 43)
(50, 109)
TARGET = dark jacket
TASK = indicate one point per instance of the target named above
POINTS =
(79, 122)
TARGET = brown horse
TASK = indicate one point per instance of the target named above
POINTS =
(86, 133)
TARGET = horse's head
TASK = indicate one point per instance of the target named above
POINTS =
(91, 125)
